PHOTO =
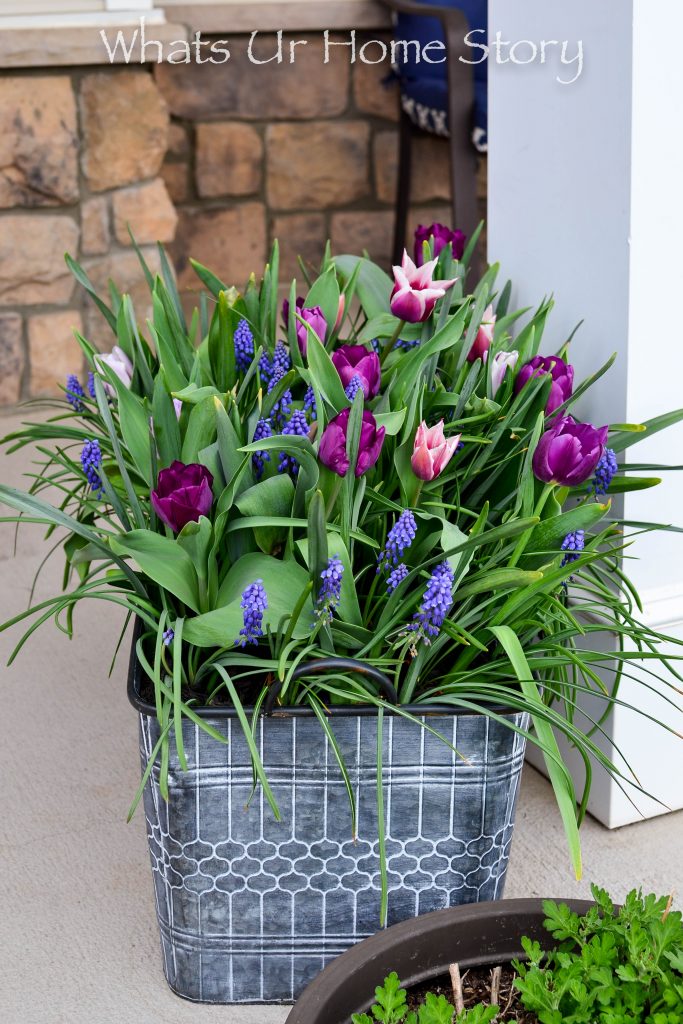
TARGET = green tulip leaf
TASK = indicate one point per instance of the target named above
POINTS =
(349, 608)
(283, 583)
(325, 294)
(373, 286)
(272, 497)
(546, 538)
(162, 560)
(201, 430)
(324, 374)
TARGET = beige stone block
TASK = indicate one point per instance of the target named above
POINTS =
(299, 234)
(95, 234)
(373, 94)
(305, 89)
(356, 231)
(230, 241)
(38, 142)
(32, 268)
(12, 358)
(124, 269)
(312, 166)
(178, 141)
(229, 160)
(177, 180)
(53, 350)
(430, 167)
(125, 128)
(149, 212)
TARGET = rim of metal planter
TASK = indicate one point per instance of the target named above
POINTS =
(420, 949)
(311, 668)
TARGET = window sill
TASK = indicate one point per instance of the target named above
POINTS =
(40, 41)
(35, 41)
(271, 15)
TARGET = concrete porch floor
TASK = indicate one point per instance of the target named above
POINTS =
(77, 926)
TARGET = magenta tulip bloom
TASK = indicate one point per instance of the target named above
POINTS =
(332, 451)
(569, 452)
(356, 361)
(441, 236)
(562, 374)
(482, 342)
(416, 292)
(183, 494)
(313, 316)
(432, 451)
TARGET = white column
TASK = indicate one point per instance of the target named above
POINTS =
(585, 202)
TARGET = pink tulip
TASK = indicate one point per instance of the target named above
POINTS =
(415, 292)
(118, 361)
(482, 343)
(341, 309)
(432, 451)
(502, 362)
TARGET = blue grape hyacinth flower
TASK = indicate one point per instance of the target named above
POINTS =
(329, 595)
(396, 576)
(254, 604)
(572, 545)
(91, 461)
(353, 387)
(310, 404)
(296, 426)
(244, 346)
(75, 393)
(259, 459)
(399, 539)
(604, 473)
(436, 604)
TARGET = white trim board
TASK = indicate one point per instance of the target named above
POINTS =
(84, 19)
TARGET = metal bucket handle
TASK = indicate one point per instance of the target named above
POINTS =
(315, 668)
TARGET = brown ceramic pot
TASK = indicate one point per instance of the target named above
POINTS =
(421, 949)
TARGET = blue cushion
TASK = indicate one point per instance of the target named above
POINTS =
(424, 86)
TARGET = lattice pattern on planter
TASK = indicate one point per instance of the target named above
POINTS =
(250, 909)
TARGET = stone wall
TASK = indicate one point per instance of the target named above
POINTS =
(215, 161)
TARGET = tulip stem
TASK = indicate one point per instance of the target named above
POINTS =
(334, 494)
(414, 498)
(524, 539)
(396, 335)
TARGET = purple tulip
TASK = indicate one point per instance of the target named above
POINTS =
(562, 374)
(313, 316)
(441, 236)
(183, 494)
(569, 452)
(415, 291)
(332, 451)
(356, 361)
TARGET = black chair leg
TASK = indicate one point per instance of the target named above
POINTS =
(403, 186)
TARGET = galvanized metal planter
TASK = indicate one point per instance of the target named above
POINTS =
(251, 909)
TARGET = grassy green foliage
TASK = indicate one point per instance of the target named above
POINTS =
(512, 635)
